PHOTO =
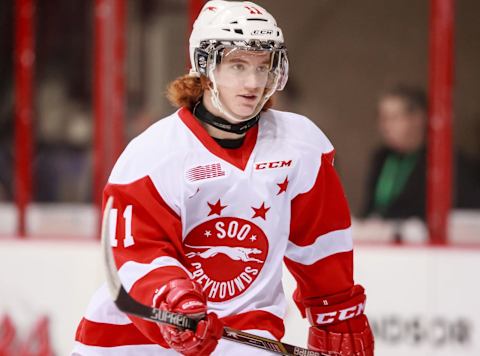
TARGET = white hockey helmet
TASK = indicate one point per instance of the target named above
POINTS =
(225, 26)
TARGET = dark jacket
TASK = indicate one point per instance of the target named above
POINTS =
(410, 201)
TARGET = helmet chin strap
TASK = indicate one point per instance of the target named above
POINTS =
(201, 112)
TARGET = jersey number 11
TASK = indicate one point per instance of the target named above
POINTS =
(127, 216)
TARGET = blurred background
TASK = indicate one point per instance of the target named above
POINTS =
(361, 70)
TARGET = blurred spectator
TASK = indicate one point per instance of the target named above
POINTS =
(396, 186)
(62, 163)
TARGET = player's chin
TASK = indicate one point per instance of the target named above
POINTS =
(244, 114)
(243, 111)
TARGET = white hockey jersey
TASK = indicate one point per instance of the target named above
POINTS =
(227, 218)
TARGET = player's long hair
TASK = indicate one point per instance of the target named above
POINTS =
(186, 91)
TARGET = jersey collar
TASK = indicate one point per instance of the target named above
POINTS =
(238, 157)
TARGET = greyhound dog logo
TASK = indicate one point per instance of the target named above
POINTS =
(235, 253)
(225, 256)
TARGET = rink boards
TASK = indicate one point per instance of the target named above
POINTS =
(421, 301)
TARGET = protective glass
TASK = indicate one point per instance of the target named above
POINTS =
(251, 68)
(254, 69)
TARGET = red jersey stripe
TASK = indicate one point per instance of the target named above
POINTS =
(331, 210)
(311, 281)
(109, 335)
(257, 320)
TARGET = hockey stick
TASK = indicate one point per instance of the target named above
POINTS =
(128, 305)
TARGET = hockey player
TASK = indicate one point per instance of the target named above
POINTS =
(210, 201)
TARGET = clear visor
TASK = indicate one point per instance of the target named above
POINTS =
(249, 73)
(256, 70)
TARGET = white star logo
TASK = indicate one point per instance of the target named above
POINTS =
(253, 238)
(207, 233)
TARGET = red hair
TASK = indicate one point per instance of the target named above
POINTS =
(186, 91)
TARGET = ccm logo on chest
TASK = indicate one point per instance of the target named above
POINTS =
(272, 165)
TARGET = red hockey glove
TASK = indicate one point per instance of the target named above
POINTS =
(186, 297)
(339, 325)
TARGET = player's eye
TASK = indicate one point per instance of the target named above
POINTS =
(238, 66)
(263, 68)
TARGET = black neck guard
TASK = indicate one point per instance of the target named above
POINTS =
(201, 112)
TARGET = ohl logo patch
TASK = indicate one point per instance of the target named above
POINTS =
(226, 255)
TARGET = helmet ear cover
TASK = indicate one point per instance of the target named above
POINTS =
(201, 58)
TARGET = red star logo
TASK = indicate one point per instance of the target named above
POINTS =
(211, 8)
(216, 208)
(283, 186)
(260, 212)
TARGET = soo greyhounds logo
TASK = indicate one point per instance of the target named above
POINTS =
(226, 255)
